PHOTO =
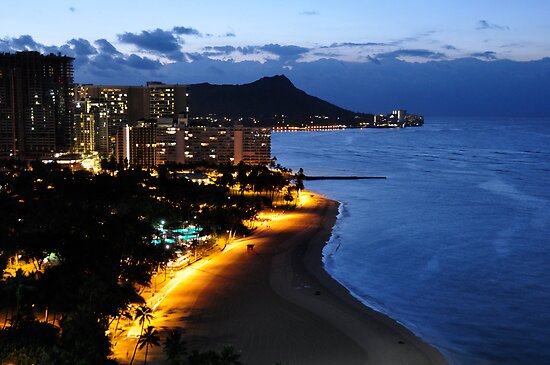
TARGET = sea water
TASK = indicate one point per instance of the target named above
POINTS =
(455, 243)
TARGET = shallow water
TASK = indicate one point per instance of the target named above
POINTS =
(455, 243)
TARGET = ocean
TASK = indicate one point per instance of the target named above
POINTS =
(455, 243)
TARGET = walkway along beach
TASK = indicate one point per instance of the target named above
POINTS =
(277, 304)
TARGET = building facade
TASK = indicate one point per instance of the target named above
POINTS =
(36, 105)
(84, 129)
(220, 145)
(252, 145)
(126, 105)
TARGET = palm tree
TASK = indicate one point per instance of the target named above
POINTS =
(19, 285)
(143, 314)
(175, 347)
(148, 339)
(228, 356)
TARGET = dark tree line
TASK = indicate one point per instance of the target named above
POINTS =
(98, 228)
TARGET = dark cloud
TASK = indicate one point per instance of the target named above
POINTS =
(158, 41)
(101, 59)
(310, 12)
(105, 61)
(422, 53)
(285, 53)
(193, 57)
(145, 63)
(450, 47)
(24, 42)
(186, 31)
(484, 24)
(248, 50)
(81, 47)
(351, 44)
(327, 54)
(105, 46)
(226, 50)
(487, 55)
(230, 34)
(220, 49)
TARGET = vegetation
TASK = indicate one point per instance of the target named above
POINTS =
(176, 351)
(69, 240)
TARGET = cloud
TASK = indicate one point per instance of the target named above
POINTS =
(220, 49)
(310, 12)
(484, 24)
(72, 9)
(420, 53)
(227, 50)
(487, 55)
(24, 42)
(351, 44)
(143, 62)
(230, 34)
(450, 47)
(158, 41)
(285, 53)
(99, 59)
(81, 47)
(106, 47)
(186, 31)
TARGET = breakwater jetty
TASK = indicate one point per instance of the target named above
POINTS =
(342, 177)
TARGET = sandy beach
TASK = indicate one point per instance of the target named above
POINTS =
(278, 305)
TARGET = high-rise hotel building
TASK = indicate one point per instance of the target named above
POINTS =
(36, 105)
(220, 145)
(127, 105)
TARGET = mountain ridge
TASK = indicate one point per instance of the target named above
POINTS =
(269, 100)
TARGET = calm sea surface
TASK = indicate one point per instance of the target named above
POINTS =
(455, 243)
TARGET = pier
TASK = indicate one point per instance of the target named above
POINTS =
(343, 177)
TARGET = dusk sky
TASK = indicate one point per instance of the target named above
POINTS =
(309, 41)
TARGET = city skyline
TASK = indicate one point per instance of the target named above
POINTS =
(364, 56)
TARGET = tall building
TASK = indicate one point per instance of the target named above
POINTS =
(208, 144)
(84, 129)
(122, 147)
(169, 141)
(219, 145)
(126, 105)
(252, 145)
(143, 147)
(36, 105)
(167, 100)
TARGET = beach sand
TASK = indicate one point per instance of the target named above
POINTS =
(276, 304)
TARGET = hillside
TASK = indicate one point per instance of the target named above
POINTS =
(266, 100)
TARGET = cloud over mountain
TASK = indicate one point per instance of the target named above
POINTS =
(381, 76)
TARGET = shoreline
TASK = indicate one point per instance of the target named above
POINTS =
(339, 297)
(278, 304)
